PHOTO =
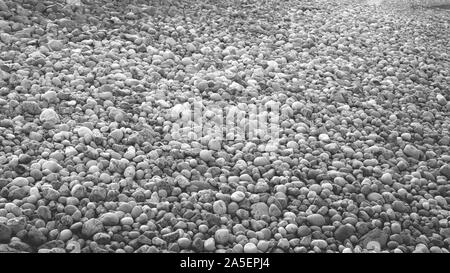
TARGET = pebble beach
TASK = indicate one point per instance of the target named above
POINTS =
(91, 161)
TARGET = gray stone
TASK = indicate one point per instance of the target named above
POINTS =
(259, 209)
(316, 219)
(91, 226)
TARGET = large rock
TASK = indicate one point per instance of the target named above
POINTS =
(343, 232)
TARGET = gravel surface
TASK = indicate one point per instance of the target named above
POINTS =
(89, 161)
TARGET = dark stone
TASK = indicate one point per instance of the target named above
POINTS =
(343, 232)
(375, 235)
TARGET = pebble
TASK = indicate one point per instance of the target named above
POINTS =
(19, 182)
(5, 233)
(50, 116)
(386, 179)
(209, 245)
(344, 232)
(261, 161)
(206, 155)
(412, 151)
(222, 236)
(110, 219)
(259, 209)
(250, 248)
(316, 219)
(237, 196)
(55, 45)
(91, 226)
(322, 244)
(219, 207)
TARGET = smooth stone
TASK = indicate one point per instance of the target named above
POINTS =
(261, 161)
(344, 232)
(19, 182)
(237, 196)
(386, 179)
(50, 116)
(220, 207)
(250, 248)
(209, 245)
(374, 196)
(259, 210)
(5, 233)
(55, 45)
(222, 236)
(127, 221)
(110, 219)
(316, 219)
(322, 244)
(91, 227)
(412, 151)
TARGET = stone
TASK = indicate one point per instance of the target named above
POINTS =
(386, 179)
(65, 235)
(344, 232)
(259, 210)
(206, 155)
(316, 219)
(274, 211)
(31, 107)
(51, 166)
(19, 182)
(110, 219)
(222, 236)
(91, 226)
(215, 144)
(55, 45)
(209, 245)
(5, 234)
(261, 161)
(49, 116)
(184, 243)
(445, 170)
(84, 132)
(50, 194)
(35, 237)
(182, 181)
(220, 207)
(237, 196)
(3, 6)
(50, 96)
(374, 196)
(44, 213)
(375, 235)
(441, 100)
(78, 191)
(127, 221)
(117, 135)
(320, 243)
(250, 248)
(400, 206)
(412, 151)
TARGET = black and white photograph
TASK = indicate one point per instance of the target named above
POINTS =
(217, 134)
